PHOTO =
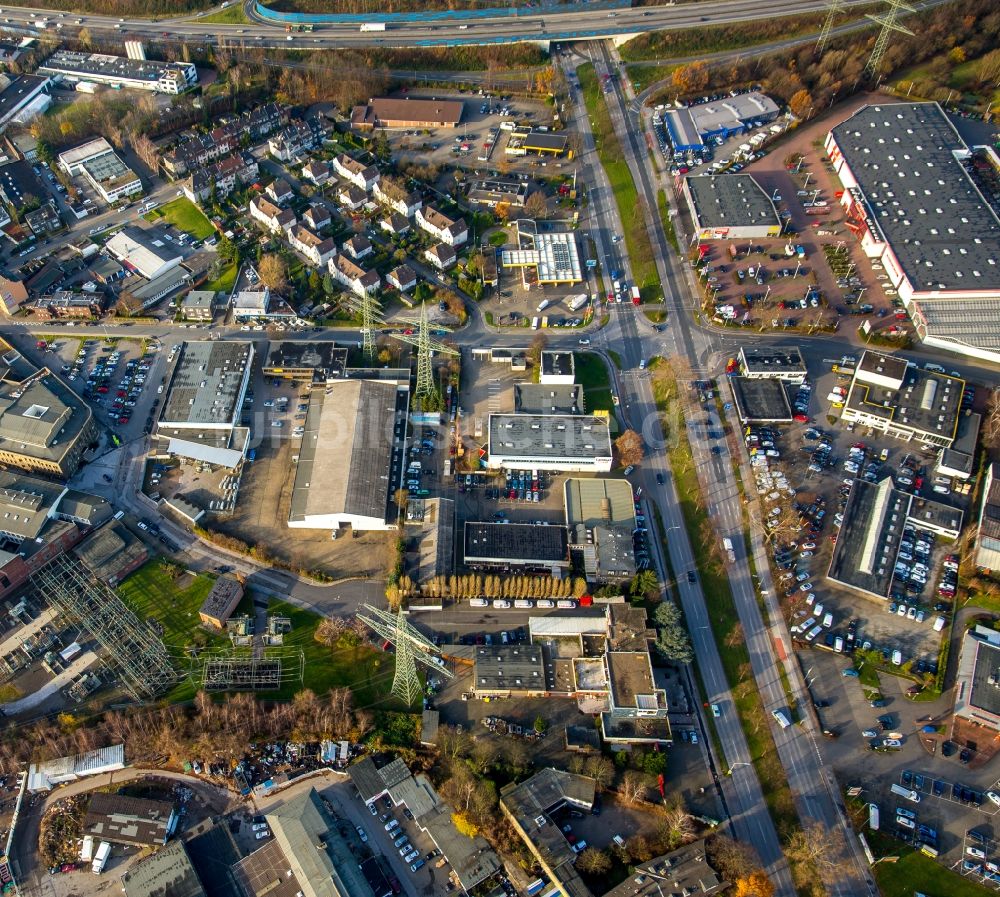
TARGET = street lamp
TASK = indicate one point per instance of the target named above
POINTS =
(735, 766)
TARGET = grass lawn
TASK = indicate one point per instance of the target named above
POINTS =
(592, 374)
(642, 76)
(667, 221)
(609, 149)
(185, 216)
(225, 281)
(914, 869)
(234, 15)
(656, 317)
(173, 603)
(366, 671)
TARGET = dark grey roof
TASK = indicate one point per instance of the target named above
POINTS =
(548, 398)
(921, 197)
(366, 779)
(122, 819)
(549, 436)
(731, 200)
(961, 455)
(557, 362)
(509, 668)
(868, 540)
(515, 542)
(20, 88)
(325, 360)
(986, 695)
(760, 400)
(167, 873)
(777, 361)
(205, 386)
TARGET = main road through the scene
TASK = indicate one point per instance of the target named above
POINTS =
(575, 22)
(802, 762)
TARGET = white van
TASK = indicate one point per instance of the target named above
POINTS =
(501, 603)
(939, 624)
(545, 602)
(478, 602)
(827, 619)
(897, 657)
(781, 719)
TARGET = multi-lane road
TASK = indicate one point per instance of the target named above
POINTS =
(575, 21)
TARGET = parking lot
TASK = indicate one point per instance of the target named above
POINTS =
(120, 379)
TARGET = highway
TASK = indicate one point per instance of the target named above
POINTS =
(576, 22)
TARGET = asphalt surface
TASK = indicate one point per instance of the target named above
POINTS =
(575, 22)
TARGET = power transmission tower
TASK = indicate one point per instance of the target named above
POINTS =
(411, 648)
(832, 12)
(426, 347)
(370, 315)
(889, 22)
(425, 370)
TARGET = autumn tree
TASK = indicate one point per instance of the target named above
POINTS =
(730, 858)
(691, 78)
(755, 884)
(536, 205)
(630, 448)
(801, 103)
(592, 861)
(273, 272)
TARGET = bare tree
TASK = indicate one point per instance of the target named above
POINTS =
(632, 788)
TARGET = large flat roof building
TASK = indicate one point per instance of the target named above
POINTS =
(529, 806)
(508, 670)
(24, 95)
(693, 127)
(139, 74)
(544, 256)
(44, 427)
(867, 547)
(408, 112)
(204, 400)
(571, 443)
(904, 401)
(122, 819)
(730, 207)
(351, 457)
(306, 362)
(515, 546)
(167, 873)
(988, 534)
(144, 251)
(977, 682)
(912, 200)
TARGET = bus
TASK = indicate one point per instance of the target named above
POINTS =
(534, 887)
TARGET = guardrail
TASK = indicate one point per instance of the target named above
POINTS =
(423, 17)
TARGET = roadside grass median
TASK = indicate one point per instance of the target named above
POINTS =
(726, 627)
(630, 206)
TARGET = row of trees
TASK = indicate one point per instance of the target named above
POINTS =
(210, 726)
(494, 585)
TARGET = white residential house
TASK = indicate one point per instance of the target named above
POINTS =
(351, 197)
(317, 173)
(405, 205)
(358, 247)
(274, 218)
(316, 249)
(355, 278)
(280, 191)
(317, 217)
(452, 231)
(362, 176)
(441, 256)
(403, 278)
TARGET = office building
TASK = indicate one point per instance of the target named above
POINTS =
(118, 71)
(570, 443)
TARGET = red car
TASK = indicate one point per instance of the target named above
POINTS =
(102, 389)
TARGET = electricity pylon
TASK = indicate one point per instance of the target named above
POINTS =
(832, 12)
(370, 310)
(426, 347)
(889, 22)
(411, 648)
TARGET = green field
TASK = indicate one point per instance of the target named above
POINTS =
(234, 15)
(914, 871)
(185, 216)
(174, 604)
(366, 671)
(640, 251)
(225, 281)
(592, 375)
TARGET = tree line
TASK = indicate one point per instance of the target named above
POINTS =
(121, 8)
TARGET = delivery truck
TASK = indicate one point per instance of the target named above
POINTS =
(101, 858)
(636, 296)
(727, 544)
(578, 302)
(908, 793)
(373, 26)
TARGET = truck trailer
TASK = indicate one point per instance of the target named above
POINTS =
(373, 26)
